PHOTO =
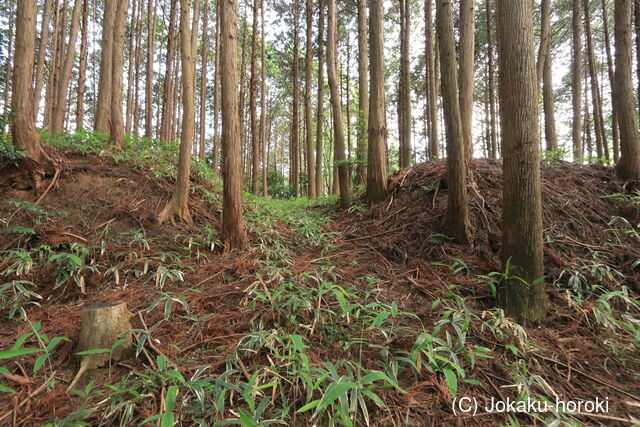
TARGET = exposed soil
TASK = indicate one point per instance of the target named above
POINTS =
(398, 240)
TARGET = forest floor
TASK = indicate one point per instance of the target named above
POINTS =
(361, 317)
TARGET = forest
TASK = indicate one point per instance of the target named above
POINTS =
(319, 212)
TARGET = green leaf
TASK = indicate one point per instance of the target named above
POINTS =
(5, 389)
(170, 400)
(40, 361)
(309, 405)
(94, 351)
(9, 354)
(334, 391)
(452, 380)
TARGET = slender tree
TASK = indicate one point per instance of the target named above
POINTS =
(82, 67)
(377, 132)
(148, 88)
(320, 112)
(42, 50)
(338, 130)
(116, 125)
(576, 82)
(466, 81)
(178, 205)
(432, 93)
(233, 226)
(522, 204)
(36, 162)
(615, 136)
(294, 146)
(456, 218)
(311, 166)
(551, 137)
(62, 86)
(263, 106)
(203, 79)
(493, 137)
(167, 90)
(103, 111)
(404, 92)
(629, 163)
(253, 106)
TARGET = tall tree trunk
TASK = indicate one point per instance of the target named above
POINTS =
(466, 82)
(55, 63)
(167, 98)
(311, 171)
(42, 50)
(363, 93)
(432, 93)
(596, 100)
(253, 103)
(404, 104)
(178, 204)
(377, 131)
(636, 22)
(545, 29)
(522, 205)
(216, 84)
(7, 72)
(233, 226)
(548, 98)
(338, 131)
(36, 162)
(263, 106)
(130, 74)
(629, 164)
(103, 111)
(116, 125)
(203, 79)
(295, 120)
(320, 113)
(136, 85)
(148, 88)
(82, 67)
(615, 136)
(62, 85)
(456, 218)
(494, 154)
(576, 83)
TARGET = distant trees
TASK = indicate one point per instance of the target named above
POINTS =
(522, 294)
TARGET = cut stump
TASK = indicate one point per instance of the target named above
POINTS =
(102, 326)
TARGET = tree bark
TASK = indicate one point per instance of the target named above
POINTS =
(167, 98)
(576, 83)
(203, 79)
(116, 125)
(494, 154)
(456, 218)
(216, 80)
(466, 82)
(363, 93)
(596, 100)
(103, 111)
(311, 171)
(615, 135)
(62, 86)
(294, 149)
(432, 93)
(404, 102)
(545, 27)
(522, 251)
(233, 226)
(55, 64)
(36, 162)
(263, 107)
(629, 164)
(178, 205)
(548, 98)
(42, 50)
(82, 67)
(320, 113)
(338, 130)
(377, 131)
(7, 72)
(253, 103)
(148, 90)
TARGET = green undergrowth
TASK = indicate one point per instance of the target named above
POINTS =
(322, 348)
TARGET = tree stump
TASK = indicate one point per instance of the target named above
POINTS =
(101, 326)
